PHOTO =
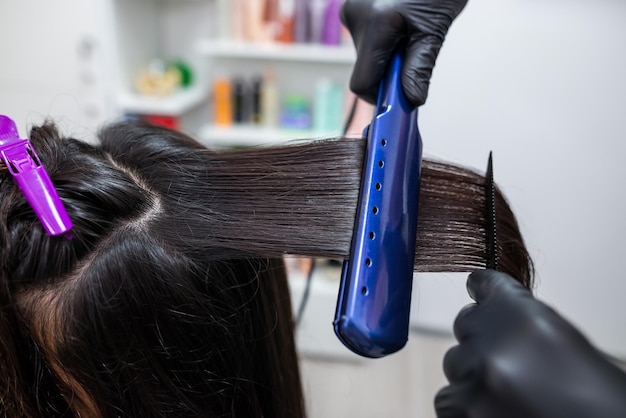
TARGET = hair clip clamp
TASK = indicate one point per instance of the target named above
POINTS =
(25, 166)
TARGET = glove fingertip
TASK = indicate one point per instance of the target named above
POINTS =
(416, 91)
(421, 54)
(362, 90)
(479, 284)
(366, 76)
(483, 284)
(453, 401)
(444, 403)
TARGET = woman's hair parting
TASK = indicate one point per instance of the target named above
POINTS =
(171, 299)
(130, 317)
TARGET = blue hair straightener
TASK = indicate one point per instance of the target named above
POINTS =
(373, 307)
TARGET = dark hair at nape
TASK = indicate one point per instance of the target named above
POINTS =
(172, 299)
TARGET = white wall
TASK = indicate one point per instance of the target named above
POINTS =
(52, 64)
(542, 84)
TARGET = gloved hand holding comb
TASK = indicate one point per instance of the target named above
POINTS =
(518, 358)
(379, 26)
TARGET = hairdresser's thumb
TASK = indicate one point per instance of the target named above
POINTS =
(421, 54)
(483, 285)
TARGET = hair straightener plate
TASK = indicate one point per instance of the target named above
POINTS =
(373, 307)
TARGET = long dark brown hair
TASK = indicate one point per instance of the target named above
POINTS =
(171, 298)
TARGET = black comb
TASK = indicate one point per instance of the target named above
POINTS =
(490, 227)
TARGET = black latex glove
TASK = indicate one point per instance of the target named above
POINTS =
(518, 358)
(379, 26)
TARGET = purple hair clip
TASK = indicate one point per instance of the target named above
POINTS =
(31, 177)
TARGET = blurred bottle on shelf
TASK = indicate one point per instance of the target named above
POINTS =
(271, 18)
(241, 101)
(256, 101)
(332, 23)
(284, 32)
(222, 102)
(302, 21)
(286, 21)
(327, 107)
(244, 101)
(295, 112)
(316, 17)
(254, 23)
(269, 100)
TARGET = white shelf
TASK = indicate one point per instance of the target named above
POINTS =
(173, 105)
(276, 51)
(255, 135)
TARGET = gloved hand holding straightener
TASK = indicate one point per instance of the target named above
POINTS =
(518, 358)
(379, 26)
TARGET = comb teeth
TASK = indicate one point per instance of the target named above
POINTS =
(490, 227)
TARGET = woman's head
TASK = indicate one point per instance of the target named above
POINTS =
(171, 298)
(129, 318)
